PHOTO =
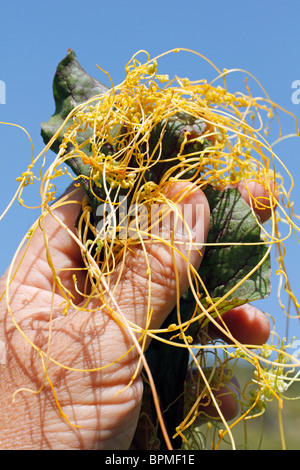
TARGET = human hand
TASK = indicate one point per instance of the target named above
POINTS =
(85, 340)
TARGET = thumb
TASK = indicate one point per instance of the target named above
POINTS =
(153, 274)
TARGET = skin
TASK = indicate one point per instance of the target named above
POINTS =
(85, 340)
(257, 194)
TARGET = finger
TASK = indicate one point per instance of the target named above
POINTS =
(226, 396)
(258, 196)
(246, 323)
(133, 283)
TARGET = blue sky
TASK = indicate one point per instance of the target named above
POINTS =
(262, 37)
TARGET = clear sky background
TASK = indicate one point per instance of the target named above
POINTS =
(260, 36)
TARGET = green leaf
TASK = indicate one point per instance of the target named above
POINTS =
(173, 130)
(71, 86)
(238, 250)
